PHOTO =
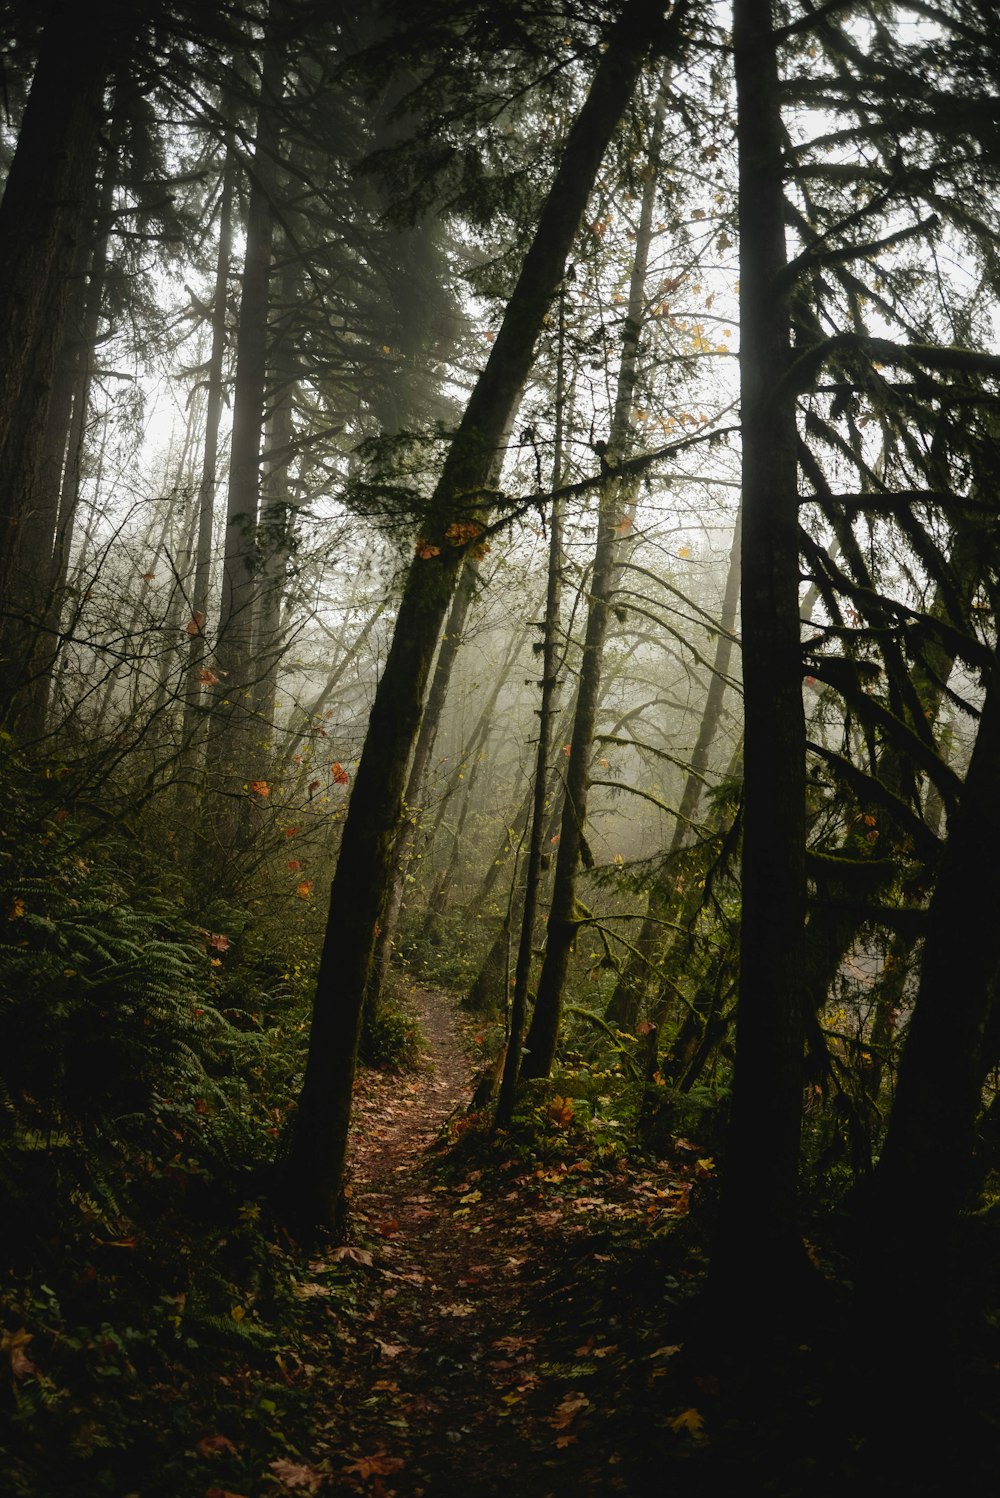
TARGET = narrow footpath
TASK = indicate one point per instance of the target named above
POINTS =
(508, 1329)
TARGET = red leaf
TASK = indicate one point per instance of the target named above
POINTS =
(339, 774)
(195, 622)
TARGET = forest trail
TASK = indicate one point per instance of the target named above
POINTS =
(472, 1366)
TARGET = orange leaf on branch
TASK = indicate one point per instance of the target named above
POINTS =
(339, 774)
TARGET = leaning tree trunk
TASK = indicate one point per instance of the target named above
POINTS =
(405, 838)
(758, 1244)
(318, 1150)
(45, 209)
(540, 1043)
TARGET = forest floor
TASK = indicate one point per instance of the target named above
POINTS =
(517, 1310)
(519, 1324)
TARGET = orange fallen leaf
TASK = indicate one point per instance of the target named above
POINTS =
(379, 1464)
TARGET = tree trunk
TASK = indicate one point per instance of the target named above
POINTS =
(239, 579)
(551, 656)
(215, 391)
(633, 983)
(758, 1246)
(907, 1278)
(319, 1144)
(44, 212)
(403, 844)
(540, 1044)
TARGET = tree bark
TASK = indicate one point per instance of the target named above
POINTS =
(215, 392)
(551, 655)
(318, 1150)
(758, 1248)
(46, 201)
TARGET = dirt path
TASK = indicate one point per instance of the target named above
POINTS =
(472, 1368)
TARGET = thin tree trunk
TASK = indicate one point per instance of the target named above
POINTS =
(633, 983)
(319, 1144)
(540, 1044)
(215, 392)
(550, 685)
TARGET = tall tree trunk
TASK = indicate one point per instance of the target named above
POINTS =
(45, 210)
(239, 580)
(907, 1276)
(215, 392)
(758, 1243)
(540, 1043)
(276, 530)
(319, 1144)
(551, 655)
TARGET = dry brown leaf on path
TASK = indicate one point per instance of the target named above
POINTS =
(380, 1464)
(391, 1349)
(298, 1475)
(356, 1255)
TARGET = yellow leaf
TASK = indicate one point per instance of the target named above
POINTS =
(238, 1313)
(17, 908)
(690, 1420)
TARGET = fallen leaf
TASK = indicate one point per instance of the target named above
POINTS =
(14, 1343)
(348, 1251)
(566, 1412)
(690, 1420)
(379, 1464)
(390, 1349)
(297, 1475)
(214, 1444)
